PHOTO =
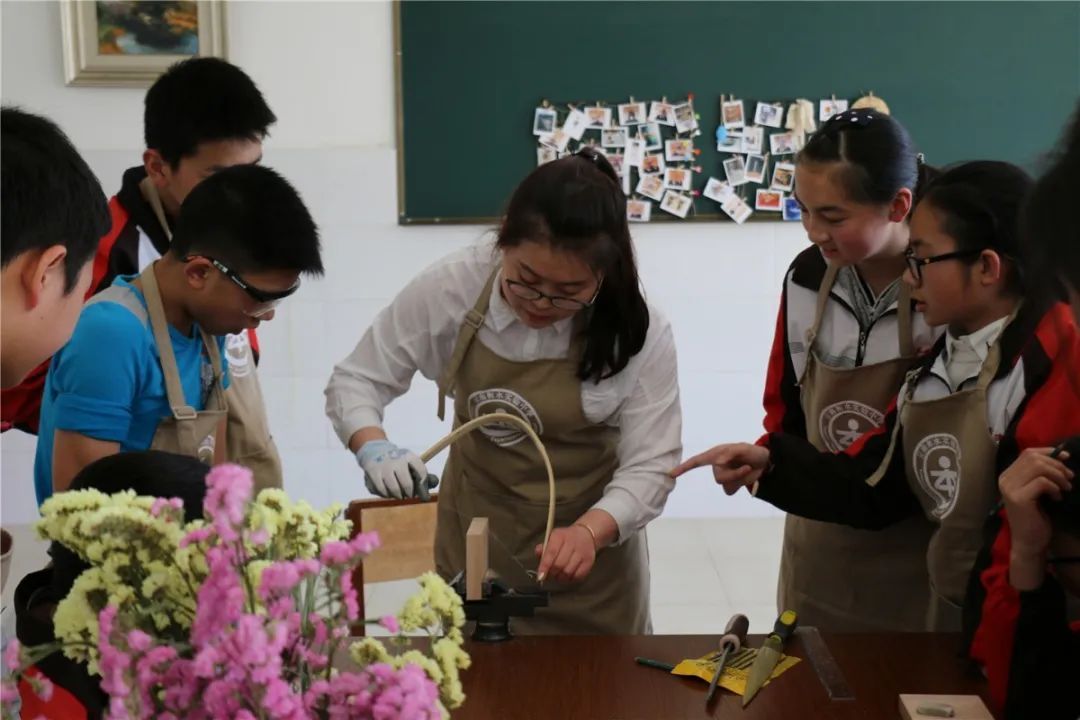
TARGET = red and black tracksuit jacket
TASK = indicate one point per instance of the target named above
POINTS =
(863, 345)
(1022, 640)
(135, 240)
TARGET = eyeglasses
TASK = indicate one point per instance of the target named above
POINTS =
(528, 292)
(915, 264)
(267, 299)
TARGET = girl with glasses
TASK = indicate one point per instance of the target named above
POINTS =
(549, 325)
(989, 389)
(846, 334)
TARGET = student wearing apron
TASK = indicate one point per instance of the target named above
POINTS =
(549, 325)
(1024, 611)
(955, 422)
(846, 335)
(242, 241)
(201, 115)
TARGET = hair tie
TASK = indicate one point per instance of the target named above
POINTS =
(920, 159)
(859, 118)
(590, 155)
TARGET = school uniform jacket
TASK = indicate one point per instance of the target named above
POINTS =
(134, 242)
(1025, 409)
(841, 342)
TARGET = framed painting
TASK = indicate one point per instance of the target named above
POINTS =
(128, 43)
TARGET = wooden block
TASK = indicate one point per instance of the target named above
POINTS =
(966, 707)
(476, 558)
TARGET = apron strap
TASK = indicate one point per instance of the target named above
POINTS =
(474, 320)
(827, 283)
(150, 193)
(903, 317)
(910, 383)
(986, 376)
(160, 327)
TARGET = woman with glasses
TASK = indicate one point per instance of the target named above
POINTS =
(846, 334)
(549, 325)
(146, 368)
(988, 390)
(1029, 576)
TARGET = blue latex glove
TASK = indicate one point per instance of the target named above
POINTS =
(391, 471)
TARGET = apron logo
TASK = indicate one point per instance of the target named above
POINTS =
(936, 461)
(237, 352)
(485, 402)
(842, 423)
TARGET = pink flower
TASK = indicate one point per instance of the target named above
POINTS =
(390, 623)
(196, 536)
(160, 504)
(12, 658)
(220, 600)
(281, 577)
(228, 490)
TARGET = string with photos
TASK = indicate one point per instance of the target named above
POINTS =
(654, 165)
(757, 153)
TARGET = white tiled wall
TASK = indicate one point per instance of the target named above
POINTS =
(718, 283)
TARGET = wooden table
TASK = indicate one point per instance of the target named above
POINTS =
(596, 678)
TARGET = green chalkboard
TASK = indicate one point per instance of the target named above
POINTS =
(969, 79)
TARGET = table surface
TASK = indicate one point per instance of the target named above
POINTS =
(586, 678)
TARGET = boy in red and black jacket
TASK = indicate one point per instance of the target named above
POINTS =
(201, 115)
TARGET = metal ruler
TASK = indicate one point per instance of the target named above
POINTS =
(817, 652)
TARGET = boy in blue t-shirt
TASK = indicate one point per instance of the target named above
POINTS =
(242, 241)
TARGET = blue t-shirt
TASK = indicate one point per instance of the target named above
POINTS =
(107, 382)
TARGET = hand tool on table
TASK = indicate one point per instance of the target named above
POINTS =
(734, 638)
(769, 654)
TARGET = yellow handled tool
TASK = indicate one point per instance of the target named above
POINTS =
(769, 654)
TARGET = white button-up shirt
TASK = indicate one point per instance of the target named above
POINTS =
(417, 333)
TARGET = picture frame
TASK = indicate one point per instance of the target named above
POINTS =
(678, 178)
(108, 45)
(651, 186)
(783, 177)
(769, 114)
(717, 190)
(676, 203)
(662, 113)
(792, 211)
(769, 200)
(633, 113)
(735, 169)
(733, 114)
(679, 150)
(614, 137)
(638, 210)
(756, 165)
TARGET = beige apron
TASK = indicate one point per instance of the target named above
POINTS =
(497, 473)
(186, 431)
(247, 436)
(950, 459)
(840, 578)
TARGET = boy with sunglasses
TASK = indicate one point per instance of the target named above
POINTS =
(144, 368)
(202, 115)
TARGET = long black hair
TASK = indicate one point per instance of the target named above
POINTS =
(576, 204)
(878, 155)
(1050, 223)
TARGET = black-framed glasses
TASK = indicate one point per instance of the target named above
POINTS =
(915, 264)
(267, 299)
(528, 292)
